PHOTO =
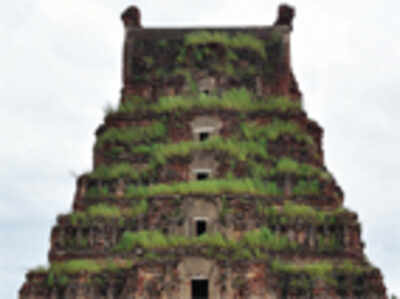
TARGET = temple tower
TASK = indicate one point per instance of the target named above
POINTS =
(208, 181)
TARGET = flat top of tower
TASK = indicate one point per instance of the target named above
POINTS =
(181, 32)
(132, 18)
(156, 54)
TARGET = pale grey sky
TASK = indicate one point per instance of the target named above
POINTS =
(60, 65)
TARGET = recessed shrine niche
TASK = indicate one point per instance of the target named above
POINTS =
(201, 217)
(203, 166)
(199, 277)
(205, 127)
(207, 85)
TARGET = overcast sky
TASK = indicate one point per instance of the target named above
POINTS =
(61, 63)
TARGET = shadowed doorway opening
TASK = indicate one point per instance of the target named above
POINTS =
(200, 289)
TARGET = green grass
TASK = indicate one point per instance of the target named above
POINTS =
(307, 188)
(106, 211)
(59, 272)
(97, 191)
(347, 267)
(266, 239)
(76, 266)
(289, 166)
(245, 186)
(236, 150)
(187, 74)
(274, 130)
(319, 269)
(94, 212)
(261, 239)
(239, 40)
(302, 211)
(291, 212)
(139, 208)
(322, 270)
(143, 239)
(213, 240)
(240, 150)
(72, 267)
(286, 165)
(121, 170)
(328, 244)
(159, 154)
(234, 186)
(78, 217)
(240, 100)
(145, 134)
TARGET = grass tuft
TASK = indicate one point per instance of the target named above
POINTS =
(240, 40)
(239, 99)
(235, 186)
(146, 134)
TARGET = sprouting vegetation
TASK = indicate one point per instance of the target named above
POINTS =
(299, 275)
(240, 150)
(290, 166)
(240, 40)
(139, 208)
(327, 244)
(290, 212)
(121, 170)
(159, 154)
(58, 272)
(75, 266)
(234, 99)
(286, 165)
(106, 211)
(146, 239)
(230, 185)
(234, 186)
(266, 239)
(255, 239)
(322, 270)
(273, 130)
(319, 269)
(307, 188)
(97, 191)
(237, 151)
(219, 52)
(155, 131)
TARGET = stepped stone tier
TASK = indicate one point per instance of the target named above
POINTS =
(208, 181)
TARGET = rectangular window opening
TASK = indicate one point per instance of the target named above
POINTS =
(200, 289)
(202, 176)
(204, 136)
(201, 227)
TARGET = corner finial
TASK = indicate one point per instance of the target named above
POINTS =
(286, 14)
(131, 17)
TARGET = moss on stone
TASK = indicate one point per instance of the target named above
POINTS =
(239, 40)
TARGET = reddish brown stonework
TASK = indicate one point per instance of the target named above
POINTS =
(208, 181)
